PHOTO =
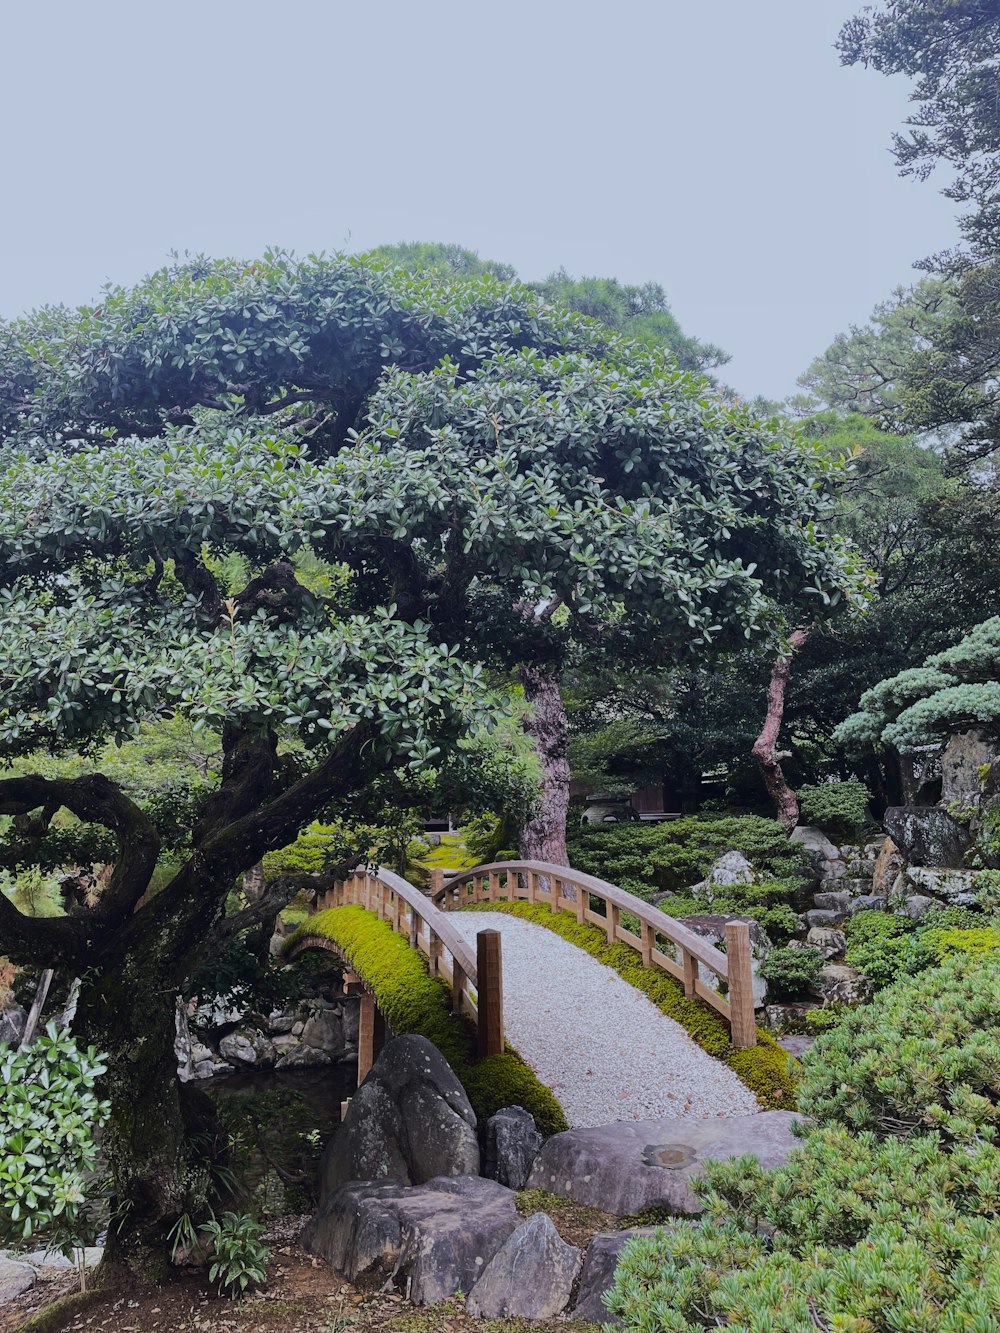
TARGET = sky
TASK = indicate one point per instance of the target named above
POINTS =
(715, 146)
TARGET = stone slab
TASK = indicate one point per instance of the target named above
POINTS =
(531, 1276)
(598, 1274)
(631, 1165)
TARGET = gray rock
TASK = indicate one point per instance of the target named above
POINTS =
(956, 887)
(410, 1120)
(927, 835)
(631, 1165)
(247, 1046)
(731, 868)
(816, 842)
(439, 1236)
(324, 1031)
(15, 1278)
(821, 916)
(280, 1024)
(832, 871)
(12, 1025)
(531, 1276)
(512, 1144)
(303, 1057)
(833, 902)
(712, 927)
(790, 1015)
(598, 1274)
(917, 905)
(871, 902)
(966, 753)
(841, 984)
(888, 865)
(830, 942)
(350, 1017)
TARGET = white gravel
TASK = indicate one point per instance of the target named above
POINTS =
(603, 1048)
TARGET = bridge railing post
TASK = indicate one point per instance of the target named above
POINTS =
(739, 959)
(489, 969)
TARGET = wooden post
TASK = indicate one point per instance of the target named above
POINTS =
(378, 1032)
(740, 976)
(489, 967)
(494, 886)
(530, 885)
(554, 894)
(582, 903)
(433, 952)
(437, 884)
(613, 916)
(366, 1037)
(414, 928)
(648, 942)
(690, 971)
(458, 980)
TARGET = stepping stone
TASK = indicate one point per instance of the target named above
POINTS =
(631, 1165)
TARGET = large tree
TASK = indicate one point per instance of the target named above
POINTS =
(484, 480)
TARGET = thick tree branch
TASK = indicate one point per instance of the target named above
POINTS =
(765, 746)
(94, 799)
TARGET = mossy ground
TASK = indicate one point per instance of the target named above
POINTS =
(766, 1069)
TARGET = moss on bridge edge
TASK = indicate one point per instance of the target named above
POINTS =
(766, 1069)
(414, 1001)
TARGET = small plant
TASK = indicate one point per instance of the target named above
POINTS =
(792, 973)
(840, 809)
(48, 1114)
(239, 1256)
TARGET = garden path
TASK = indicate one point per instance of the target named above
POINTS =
(607, 1052)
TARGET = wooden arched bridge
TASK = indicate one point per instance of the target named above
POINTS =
(470, 960)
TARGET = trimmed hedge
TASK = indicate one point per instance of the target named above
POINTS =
(766, 1069)
(414, 1001)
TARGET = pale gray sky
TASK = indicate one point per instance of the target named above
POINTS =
(716, 146)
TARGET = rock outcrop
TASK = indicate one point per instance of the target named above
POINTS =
(512, 1144)
(431, 1241)
(531, 1276)
(409, 1121)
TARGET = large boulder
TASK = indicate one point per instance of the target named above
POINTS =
(631, 1165)
(839, 983)
(512, 1144)
(817, 844)
(598, 1274)
(828, 940)
(888, 865)
(15, 1278)
(927, 835)
(248, 1048)
(712, 927)
(410, 1120)
(730, 868)
(439, 1236)
(324, 1031)
(531, 1276)
(955, 887)
(962, 762)
(12, 1024)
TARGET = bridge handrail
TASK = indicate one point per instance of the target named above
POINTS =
(547, 883)
(414, 914)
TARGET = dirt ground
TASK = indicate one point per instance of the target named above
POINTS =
(302, 1295)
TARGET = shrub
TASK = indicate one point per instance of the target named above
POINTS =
(414, 1001)
(885, 946)
(851, 1233)
(766, 1068)
(239, 1256)
(768, 903)
(925, 1054)
(647, 858)
(791, 973)
(840, 809)
(48, 1114)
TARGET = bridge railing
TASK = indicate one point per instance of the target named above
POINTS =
(662, 941)
(475, 980)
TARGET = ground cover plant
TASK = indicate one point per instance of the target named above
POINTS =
(888, 1215)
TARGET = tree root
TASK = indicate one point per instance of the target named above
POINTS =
(54, 1316)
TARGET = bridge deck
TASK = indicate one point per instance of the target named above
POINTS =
(607, 1052)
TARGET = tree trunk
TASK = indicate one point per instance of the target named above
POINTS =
(765, 749)
(543, 837)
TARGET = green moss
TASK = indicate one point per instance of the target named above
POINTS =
(766, 1069)
(414, 1001)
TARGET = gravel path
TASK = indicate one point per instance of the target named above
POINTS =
(603, 1048)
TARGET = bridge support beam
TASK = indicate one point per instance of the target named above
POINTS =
(489, 967)
(366, 1037)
